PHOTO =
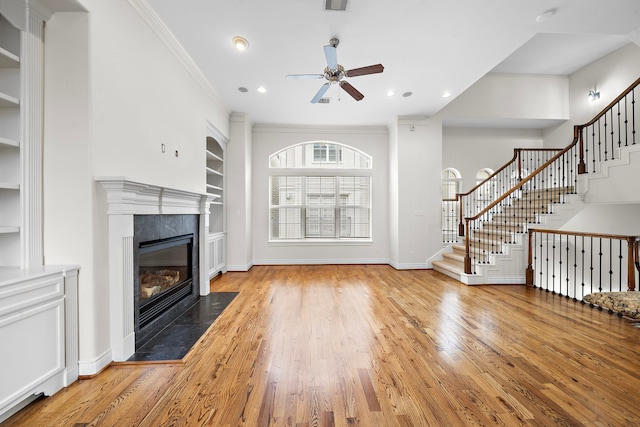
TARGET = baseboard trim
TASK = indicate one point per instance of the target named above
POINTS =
(243, 268)
(322, 261)
(95, 366)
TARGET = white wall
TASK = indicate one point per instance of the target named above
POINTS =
(69, 205)
(471, 149)
(610, 75)
(267, 140)
(143, 96)
(418, 151)
(512, 96)
(607, 219)
(114, 93)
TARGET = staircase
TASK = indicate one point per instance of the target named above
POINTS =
(495, 215)
(499, 251)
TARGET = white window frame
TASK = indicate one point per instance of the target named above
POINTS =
(338, 207)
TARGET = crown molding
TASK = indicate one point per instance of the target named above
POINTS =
(319, 129)
(146, 12)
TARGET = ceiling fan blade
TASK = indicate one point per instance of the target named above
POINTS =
(320, 93)
(351, 90)
(331, 53)
(304, 76)
(371, 69)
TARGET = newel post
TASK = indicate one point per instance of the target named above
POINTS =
(632, 261)
(467, 253)
(460, 224)
(529, 274)
(582, 167)
(519, 157)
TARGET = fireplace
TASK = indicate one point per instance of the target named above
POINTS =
(138, 213)
(166, 271)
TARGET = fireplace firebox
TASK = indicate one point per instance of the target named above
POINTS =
(166, 271)
(164, 275)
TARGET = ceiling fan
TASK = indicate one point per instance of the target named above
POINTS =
(335, 73)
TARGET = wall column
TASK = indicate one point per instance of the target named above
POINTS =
(415, 153)
(238, 195)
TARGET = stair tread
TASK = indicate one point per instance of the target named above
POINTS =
(444, 265)
(454, 256)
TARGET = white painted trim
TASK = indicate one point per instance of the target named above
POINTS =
(320, 261)
(411, 266)
(240, 268)
(94, 366)
(342, 129)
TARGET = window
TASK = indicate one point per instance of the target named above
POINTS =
(330, 204)
(483, 174)
(451, 183)
(327, 153)
(487, 191)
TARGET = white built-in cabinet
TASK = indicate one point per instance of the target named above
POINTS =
(38, 303)
(215, 189)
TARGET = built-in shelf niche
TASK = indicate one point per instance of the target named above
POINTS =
(10, 157)
(215, 184)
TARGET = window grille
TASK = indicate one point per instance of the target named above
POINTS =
(328, 203)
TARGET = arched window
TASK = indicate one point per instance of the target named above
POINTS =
(320, 190)
(483, 174)
(451, 183)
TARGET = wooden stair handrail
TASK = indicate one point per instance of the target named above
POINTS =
(516, 155)
(521, 183)
(516, 152)
(612, 103)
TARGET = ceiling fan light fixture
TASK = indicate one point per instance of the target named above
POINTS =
(240, 43)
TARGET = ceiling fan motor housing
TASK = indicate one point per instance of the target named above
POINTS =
(334, 76)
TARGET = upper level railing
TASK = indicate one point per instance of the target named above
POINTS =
(575, 264)
(489, 224)
(615, 127)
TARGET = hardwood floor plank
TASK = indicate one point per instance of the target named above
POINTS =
(373, 346)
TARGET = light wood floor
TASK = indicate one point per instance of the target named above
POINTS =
(372, 346)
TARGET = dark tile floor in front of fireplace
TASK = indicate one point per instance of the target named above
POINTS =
(174, 341)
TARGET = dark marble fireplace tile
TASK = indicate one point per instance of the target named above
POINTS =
(175, 341)
(206, 311)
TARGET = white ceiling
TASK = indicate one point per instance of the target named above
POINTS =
(426, 46)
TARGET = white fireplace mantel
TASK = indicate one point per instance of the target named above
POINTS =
(126, 198)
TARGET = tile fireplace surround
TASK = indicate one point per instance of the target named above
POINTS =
(125, 199)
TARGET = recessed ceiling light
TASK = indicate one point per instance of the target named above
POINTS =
(243, 89)
(545, 15)
(262, 89)
(390, 93)
(407, 94)
(240, 43)
(446, 94)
